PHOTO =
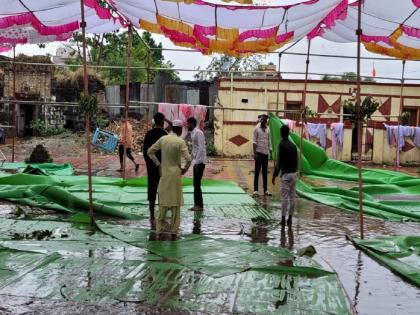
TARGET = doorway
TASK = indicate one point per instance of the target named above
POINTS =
(28, 115)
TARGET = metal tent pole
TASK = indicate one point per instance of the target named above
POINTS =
(303, 106)
(397, 149)
(13, 120)
(87, 116)
(148, 87)
(127, 94)
(278, 83)
(359, 121)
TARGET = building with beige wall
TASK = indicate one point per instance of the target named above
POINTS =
(242, 99)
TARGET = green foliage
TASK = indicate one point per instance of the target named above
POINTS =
(88, 105)
(405, 117)
(211, 149)
(368, 107)
(99, 122)
(39, 155)
(346, 76)
(110, 49)
(308, 112)
(41, 129)
(221, 65)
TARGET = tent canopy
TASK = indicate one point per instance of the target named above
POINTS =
(389, 27)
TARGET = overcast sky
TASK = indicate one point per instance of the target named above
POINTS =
(193, 60)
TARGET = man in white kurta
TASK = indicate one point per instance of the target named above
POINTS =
(171, 199)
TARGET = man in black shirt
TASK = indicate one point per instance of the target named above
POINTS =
(153, 175)
(287, 164)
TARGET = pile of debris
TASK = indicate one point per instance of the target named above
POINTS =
(140, 127)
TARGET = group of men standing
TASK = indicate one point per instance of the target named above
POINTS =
(285, 167)
(163, 154)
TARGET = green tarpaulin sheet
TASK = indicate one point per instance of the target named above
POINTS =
(401, 254)
(122, 198)
(40, 168)
(194, 274)
(386, 194)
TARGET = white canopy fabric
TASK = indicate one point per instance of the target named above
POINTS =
(36, 22)
(231, 29)
(389, 27)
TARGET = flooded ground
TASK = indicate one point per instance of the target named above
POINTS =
(372, 288)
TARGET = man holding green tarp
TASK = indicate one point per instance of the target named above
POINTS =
(287, 164)
(173, 149)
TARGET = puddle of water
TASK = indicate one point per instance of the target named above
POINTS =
(371, 287)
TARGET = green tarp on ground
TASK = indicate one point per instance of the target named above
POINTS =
(216, 257)
(121, 198)
(194, 274)
(401, 254)
(40, 168)
(386, 194)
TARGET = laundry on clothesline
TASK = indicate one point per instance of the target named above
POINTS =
(318, 131)
(337, 130)
(290, 123)
(183, 112)
(416, 137)
(171, 111)
(396, 135)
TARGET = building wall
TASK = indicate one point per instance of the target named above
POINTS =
(29, 83)
(249, 97)
(31, 86)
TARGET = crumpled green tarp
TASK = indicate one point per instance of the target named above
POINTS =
(401, 254)
(194, 274)
(216, 257)
(386, 194)
(40, 168)
(122, 198)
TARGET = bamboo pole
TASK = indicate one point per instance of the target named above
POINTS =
(127, 95)
(148, 86)
(13, 122)
(359, 121)
(397, 150)
(303, 106)
(87, 116)
(278, 84)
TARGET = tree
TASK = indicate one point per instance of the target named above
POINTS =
(110, 49)
(368, 107)
(221, 65)
(327, 77)
(346, 76)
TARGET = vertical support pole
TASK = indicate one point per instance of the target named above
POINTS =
(13, 120)
(303, 106)
(359, 121)
(87, 117)
(231, 90)
(278, 85)
(148, 87)
(397, 150)
(127, 94)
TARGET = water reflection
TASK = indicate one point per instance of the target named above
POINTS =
(289, 240)
(259, 233)
(198, 215)
(89, 274)
(359, 268)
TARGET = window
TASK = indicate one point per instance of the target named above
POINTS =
(410, 116)
(244, 100)
(293, 106)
